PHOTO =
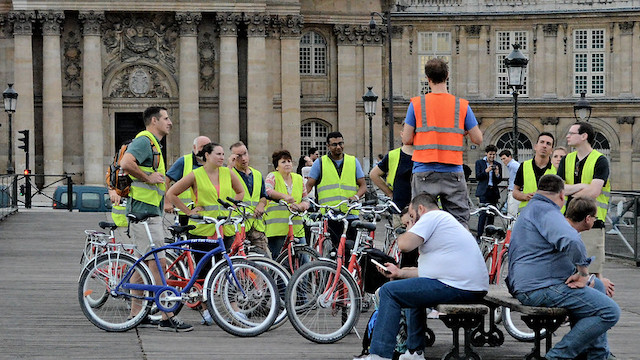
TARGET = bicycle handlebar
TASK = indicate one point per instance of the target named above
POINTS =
(494, 210)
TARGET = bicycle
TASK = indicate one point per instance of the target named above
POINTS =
(239, 295)
(294, 254)
(324, 296)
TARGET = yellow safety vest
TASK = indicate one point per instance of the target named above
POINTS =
(151, 194)
(394, 162)
(333, 188)
(587, 176)
(276, 216)
(253, 199)
(119, 213)
(529, 177)
(207, 198)
(185, 196)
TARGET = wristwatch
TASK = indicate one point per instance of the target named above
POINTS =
(583, 274)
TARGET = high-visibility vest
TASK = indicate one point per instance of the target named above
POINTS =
(252, 199)
(394, 162)
(439, 131)
(333, 188)
(530, 183)
(185, 196)
(119, 213)
(602, 201)
(276, 216)
(151, 194)
(207, 197)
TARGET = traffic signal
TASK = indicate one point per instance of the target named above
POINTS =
(22, 190)
(24, 140)
(27, 171)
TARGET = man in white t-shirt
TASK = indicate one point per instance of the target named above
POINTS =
(450, 270)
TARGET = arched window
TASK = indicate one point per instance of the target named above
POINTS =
(525, 148)
(601, 144)
(313, 134)
(313, 54)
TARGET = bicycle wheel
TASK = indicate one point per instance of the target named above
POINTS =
(300, 255)
(101, 277)
(320, 309)
(246, 311)
(281, 277)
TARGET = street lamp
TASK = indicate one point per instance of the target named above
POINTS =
(582, 109)
(10, 101)
(370, 99)
(516, 65)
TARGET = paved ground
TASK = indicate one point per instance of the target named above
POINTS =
(39, 267)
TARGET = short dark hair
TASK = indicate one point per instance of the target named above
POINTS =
(235, 145)
(546, 133)
(312, 151)
(551, 183)
(334, 134)
(580, 207)
(151, 112)
(490, 148)
(505, 152)
(404, 211)
(280, 154)
(436, 70)
(429, 201)
(586, 128)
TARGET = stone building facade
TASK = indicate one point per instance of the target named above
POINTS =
(282, 74)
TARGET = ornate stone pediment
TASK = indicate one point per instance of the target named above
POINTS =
(139, 81)
(130, 38)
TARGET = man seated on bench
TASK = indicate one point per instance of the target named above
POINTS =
(450, 270)
(544, 254)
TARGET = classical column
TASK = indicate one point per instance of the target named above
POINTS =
(372, 40)
(92, 132)
(485, 61)
(624, 52)
(290, 30)
(189, 117)
(347, 40)
(228, 98)
(626, 152)
(564, 79)
(547, 65)
(473, 57)
(257, 102)
(53, 145)
(23, 118)
(635, 60)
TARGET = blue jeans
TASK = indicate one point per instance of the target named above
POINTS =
(591, 313)
(415, 295)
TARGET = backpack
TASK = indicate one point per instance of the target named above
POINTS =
(116, 178)
(368, 332)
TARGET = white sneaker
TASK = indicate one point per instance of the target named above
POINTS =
(434, 314)
(408, 355)
(370, 357)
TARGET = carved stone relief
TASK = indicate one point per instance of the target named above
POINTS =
(72, 66)
(22, 22)
(129, 38)
(626, 27)
(207, 61)
(291, 25)
(473, 31)
(139, 81)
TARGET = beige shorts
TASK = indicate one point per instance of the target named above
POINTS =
(594, 242)
(140, 238)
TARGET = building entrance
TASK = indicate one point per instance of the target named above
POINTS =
(128, 125)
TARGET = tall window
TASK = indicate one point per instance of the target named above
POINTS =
(588, 61)
(504, 47)
(313, 134)
(313, 54)
(601, 144)
(432, 45)
(525, 148)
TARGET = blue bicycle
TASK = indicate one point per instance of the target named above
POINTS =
(116, 290)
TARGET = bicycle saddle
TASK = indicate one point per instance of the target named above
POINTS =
(180, 229)
(135, 218)
(107, 225)
(363, 225)
(491, 230)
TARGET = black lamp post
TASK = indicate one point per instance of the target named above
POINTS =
(582, 109)
(370, 99)
(516, 65)
(10, 101)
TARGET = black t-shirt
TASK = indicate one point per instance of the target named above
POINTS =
(402, 183)
(538, 172)
(600, 171)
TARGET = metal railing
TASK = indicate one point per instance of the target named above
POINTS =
(20, 190)
(621, 237)
(8, 200)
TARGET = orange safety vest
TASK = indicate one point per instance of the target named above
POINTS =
(440, 138)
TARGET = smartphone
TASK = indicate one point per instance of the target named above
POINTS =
(377, 263)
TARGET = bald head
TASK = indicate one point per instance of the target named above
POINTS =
(200, 142)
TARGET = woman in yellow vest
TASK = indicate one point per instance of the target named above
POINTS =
(283, 184)
(208, 183)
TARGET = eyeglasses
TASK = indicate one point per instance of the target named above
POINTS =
(341, 143)
(573, 133)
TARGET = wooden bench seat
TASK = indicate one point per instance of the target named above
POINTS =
(468, 317)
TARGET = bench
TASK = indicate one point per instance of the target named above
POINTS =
(469, 317)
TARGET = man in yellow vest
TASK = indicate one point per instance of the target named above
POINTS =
(255, 194)
(529, 173)
(184, 165)
(586, 174)
(144, 163)
(436, 124)
(337, 176)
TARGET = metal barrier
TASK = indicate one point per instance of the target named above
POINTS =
(8, 200)
(21, 190)
(621, 238)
